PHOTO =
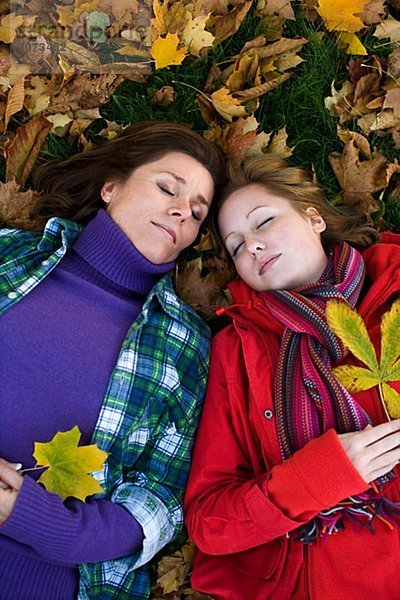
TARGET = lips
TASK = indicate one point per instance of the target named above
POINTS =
(267, 263)
(168, 230)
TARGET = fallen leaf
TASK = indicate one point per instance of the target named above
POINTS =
(392, 100)
(282, 8)
(390, 28)
(340, 15)
(227, 106)
(165, 51)
(15, 100)
(68, 465)
(22, 152)
(224, 26)
(164, 96)
(195, 37)
(360, 179)
(350, 43)
(60, 123)
(373, 12)
(16, 206)
(8, 27)
(278, 144)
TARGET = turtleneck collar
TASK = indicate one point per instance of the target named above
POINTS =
(108, 250)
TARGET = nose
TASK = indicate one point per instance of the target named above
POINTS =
(180, 208)
(255, 246)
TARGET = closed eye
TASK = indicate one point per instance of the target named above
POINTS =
(236, 249)
(264, 222)
(166, 190)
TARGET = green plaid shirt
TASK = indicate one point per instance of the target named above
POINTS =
(150, 410)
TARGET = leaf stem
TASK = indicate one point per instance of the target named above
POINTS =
(32, 469)
(383, 401)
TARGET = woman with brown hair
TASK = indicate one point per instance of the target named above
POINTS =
(293, 492)
(94, 335)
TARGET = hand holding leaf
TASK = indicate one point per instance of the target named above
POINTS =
(67, 465)
(350, 328)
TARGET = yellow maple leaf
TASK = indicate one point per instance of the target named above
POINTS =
(350, 43)
(340, 15)
(227, 106)
(165, 51)
(195, 36)
(68, 465)
(8, 26)
(349, 326)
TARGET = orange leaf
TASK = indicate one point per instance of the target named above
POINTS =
(24, 149)
(15, 101)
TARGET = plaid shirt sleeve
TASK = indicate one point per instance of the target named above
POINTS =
(168, 354)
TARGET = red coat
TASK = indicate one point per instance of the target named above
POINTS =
(241, 499)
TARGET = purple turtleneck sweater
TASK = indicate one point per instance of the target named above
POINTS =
(59, 347)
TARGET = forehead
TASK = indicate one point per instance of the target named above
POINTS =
(247, 198)
(185, 169)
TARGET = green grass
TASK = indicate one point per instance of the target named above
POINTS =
(297, 104)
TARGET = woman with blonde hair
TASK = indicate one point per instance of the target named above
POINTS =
(293, 492)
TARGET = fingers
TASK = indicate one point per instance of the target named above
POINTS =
(374, 451)
(9, 477)
(372, 434)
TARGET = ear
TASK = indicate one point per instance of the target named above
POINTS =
(317, 222)
(107, 191)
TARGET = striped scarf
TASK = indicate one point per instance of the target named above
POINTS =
(308, 398)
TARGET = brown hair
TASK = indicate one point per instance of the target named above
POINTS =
(294, 184)
(71, 189)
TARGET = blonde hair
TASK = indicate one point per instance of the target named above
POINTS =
(295, 184)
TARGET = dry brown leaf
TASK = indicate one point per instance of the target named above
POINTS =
(278, 144)
(282, 45)
(169, 18)
(23, 151)
(164, 96)
(15, 100)
(361, 142)
(239, 140)
(84, 91)
(16, 206)
(373, 12)
(376, 122)
(360, 179)
(201, 291)
(8, 27)
(226, 25)
(195, 36)
(282, 8)
(392, 100)
(393, 66)
(262, 89)
(390, 28)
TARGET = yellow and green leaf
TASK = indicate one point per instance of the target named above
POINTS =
(68, 465)
(390, 339)
(392, 400)
(355, 379)
(348, 325)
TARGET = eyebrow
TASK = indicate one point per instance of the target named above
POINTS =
(247, 216)
(200, 197)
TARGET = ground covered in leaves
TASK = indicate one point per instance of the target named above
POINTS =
(317, 81)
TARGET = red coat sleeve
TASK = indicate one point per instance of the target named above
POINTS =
(228, 507)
